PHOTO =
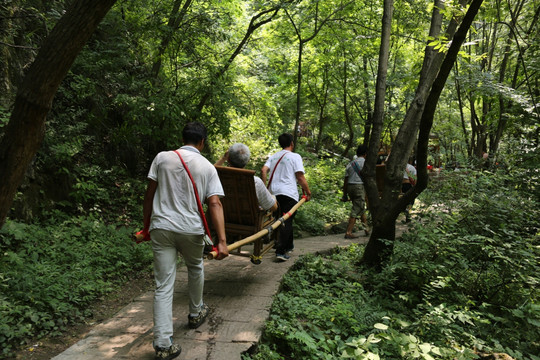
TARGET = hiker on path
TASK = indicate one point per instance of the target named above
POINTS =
(353, 189)
(175, 225)
(409, 180)
(238, 156)
(286, 170)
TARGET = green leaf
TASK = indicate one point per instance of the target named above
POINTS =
(425, 347)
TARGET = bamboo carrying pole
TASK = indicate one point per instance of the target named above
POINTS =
(212, 255)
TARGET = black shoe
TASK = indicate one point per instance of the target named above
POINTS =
(168, 353)
(196, 321)
(282, 257)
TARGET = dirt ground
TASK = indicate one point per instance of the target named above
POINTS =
(48, 347)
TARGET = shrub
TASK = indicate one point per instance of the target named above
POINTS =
(465, 278)
(50, 273)
(325, 179)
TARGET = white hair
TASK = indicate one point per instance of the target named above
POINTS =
(239, 155)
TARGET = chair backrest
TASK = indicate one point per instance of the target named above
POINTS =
(240, 204)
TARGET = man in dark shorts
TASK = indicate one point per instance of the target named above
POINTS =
(353, 189)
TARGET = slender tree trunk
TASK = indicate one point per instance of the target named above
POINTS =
(322, 108)
(369, 111)
(298, 91)
(175, 19)
(426, 122)
(460, 105)
(317, 27)
(383, 228)
(25, 131)
(253, 25)
(503, 119)
(348, 119)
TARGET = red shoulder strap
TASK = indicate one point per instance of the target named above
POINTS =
(273, 172)
(199, 204)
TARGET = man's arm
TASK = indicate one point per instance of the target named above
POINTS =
(301, 179)
(222, 160)
(147, 203)
(216, 213)
(264, 171)
(274, 207)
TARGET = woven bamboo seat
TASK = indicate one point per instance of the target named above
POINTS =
(243, 216)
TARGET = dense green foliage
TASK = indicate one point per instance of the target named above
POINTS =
(140, 79)
(325, 178)
(51, 272)
(463, 279)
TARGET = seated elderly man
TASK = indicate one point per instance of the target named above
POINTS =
(238, 156)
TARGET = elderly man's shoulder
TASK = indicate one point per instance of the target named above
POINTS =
(258, 181)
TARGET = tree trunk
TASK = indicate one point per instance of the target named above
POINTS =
(25, 131)
(253, 25)
(317, 27)
(369, 111)
(322, 109)
(174, 22)
(431, 105)
(501, 125)
(298, 91)
(348, 119)
(375, 248)
(420, 116)
(460, 105)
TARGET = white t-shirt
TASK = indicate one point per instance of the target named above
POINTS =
(412, 171)
(284, 180)
(266, 200)
(175, 205)
(350, 172)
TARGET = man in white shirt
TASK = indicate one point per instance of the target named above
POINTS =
(172, 219)
(409, 180)
(286, 170)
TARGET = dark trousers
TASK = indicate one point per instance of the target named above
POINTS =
(285, 242)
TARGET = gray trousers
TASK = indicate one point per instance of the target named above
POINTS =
(166, 245)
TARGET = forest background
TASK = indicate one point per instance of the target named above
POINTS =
(250, 71)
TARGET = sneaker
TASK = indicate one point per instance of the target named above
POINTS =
(282, 257)
(196, 321)
(168, 353)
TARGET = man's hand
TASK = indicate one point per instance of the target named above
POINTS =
(223, 251)
(142, 236)
(301, 179)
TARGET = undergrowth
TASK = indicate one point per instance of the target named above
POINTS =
(50, 272)
(324, 177)
(462, 281)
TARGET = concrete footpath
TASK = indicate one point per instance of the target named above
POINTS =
(238, 293)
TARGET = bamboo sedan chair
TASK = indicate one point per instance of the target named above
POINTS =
(243, 216)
